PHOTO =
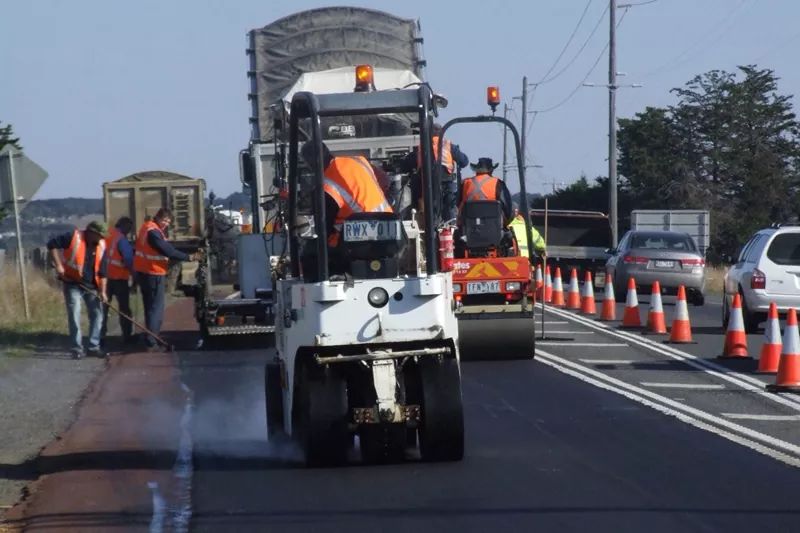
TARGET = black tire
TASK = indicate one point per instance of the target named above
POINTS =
(698, 299)
(382, 443)
(751, 320)
(322, 413)
(441, 431)
(726, 312)
(273, 395)
(620, 293)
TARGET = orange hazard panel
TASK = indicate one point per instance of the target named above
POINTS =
(492, 268)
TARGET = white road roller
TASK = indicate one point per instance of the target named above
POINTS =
(371, 350)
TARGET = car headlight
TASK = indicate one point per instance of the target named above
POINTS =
(456, 287)
(378, 297)
(513, 286)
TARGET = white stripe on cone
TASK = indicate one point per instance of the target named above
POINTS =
(655, 303)
(573, 284)
(681, 311)
(558, 286)
(791, 341)
(539, 280)
(609, 290)
(632, 300)
(772, 331)
(548, 282)
(588, 290)
(736, 320)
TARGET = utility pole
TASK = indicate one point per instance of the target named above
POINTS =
(612, 123)
(505, 141)
(524, 121)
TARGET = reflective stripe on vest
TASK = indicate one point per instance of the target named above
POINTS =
(146, 259)
(75, 258)
(354, 195)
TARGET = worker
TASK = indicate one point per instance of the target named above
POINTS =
(151, 264)
(80, 261)
(517, 225)
(452, 156)
(483, 186)
(351, 185)
(120, 266)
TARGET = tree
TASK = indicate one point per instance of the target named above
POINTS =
(7, 137)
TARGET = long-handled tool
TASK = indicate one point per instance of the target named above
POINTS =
(160, 340)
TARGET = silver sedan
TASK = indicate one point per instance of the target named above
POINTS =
(669, 257)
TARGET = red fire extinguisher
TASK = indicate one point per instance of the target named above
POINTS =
(446, 249)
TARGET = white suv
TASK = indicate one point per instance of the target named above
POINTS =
(767, 270)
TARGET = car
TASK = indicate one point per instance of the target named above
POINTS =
(767, 270)
(669, 257)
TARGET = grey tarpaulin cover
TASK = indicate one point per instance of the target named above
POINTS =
(324, 39)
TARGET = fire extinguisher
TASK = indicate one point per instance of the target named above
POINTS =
(446, 249)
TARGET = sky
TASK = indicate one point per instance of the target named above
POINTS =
(100, 89)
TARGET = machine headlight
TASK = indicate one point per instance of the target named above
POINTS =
(513, 286)
(378, 297)
(456, 287)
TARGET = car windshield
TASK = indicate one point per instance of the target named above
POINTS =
(663, 241)
(785, 249)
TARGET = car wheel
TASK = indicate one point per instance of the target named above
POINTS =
(698, 299)
(751, 320)
(620, 292)
(726, 312)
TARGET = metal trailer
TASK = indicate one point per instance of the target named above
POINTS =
(695, 222)
(373, 352)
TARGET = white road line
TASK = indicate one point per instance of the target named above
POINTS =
(775, 418)
(548, 332)
(607, 361)
(745, 382)
(581, 344)
(553, 323)
(783, 451)
(698, 386)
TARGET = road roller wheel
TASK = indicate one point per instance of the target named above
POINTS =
(273, 394)
(441, 430)
(323, 431)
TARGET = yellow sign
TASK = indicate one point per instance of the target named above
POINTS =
(483, 270)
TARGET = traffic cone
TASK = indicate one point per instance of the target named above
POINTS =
(609, 310)
(735, 338)
(558, 290)
(656, 323)
(574, 295)
(588, 306)
(788, 378)
(548, 286)
(539, 283)
(681, 332)
(771, 349)
(631, 317)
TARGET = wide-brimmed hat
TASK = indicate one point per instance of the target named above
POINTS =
(484, 164)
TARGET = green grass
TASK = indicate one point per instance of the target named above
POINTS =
(714, 279)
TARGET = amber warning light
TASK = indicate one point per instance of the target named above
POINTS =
(493, 97)
(365, 80)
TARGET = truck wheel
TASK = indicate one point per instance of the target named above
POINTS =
(441, 431)
(382, 443)
(273, 394)
(323, 430)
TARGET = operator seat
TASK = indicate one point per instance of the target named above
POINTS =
(482, 226)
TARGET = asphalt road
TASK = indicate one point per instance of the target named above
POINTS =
(554, 444)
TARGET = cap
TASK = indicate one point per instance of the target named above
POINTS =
(97, 227)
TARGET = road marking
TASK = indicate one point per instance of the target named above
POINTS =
(745, 382)
(783, 451)
(553, 323)
(699, 386)
(607, 361)
(548, 332)
(776, 418)
(582, 344)
(232, 296)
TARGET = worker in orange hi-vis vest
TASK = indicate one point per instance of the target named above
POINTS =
(453, 159)
(120, 268)
(80, 260)
(484, 186)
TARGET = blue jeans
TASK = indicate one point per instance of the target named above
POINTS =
(153, 293)
(72, 296)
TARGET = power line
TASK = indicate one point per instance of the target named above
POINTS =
(578, 53)
(569, 41)
(626, 6)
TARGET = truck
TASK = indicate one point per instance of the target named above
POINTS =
(371, 351)
(577, 240)
(695, 222)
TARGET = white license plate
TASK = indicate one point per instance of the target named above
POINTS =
(600, 279)
(483, 287)
(371, 230)
(665, 264)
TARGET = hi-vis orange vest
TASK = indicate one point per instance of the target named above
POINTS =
(351, 182)
(479, 188)
(75, 258)
(447, 154)
(147, 259)
(116, 264)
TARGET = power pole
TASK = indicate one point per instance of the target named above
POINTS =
(524, 121)
(612, 123)
(505, 141)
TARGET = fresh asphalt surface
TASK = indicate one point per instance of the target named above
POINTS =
(545, 450)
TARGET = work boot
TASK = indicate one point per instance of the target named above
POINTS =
(77, 354)
(96, 352)
(156, 349)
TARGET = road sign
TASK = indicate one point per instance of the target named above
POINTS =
(28, 175)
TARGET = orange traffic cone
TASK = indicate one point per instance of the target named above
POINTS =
(588, 306)
(574, 295)
(558, 290)
(609, 310)
(771, 349)
(735, 338)
(681, 332)
(788, 379)
(656, 323)
(539, 283)
(631, 317)
(548, 286)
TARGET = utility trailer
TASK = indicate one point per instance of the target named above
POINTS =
(695, 222)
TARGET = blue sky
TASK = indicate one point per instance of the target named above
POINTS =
(100, 89)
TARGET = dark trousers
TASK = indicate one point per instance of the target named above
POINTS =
(449, 199)
(118, 291)
(153, 292)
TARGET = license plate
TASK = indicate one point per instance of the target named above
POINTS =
(371, 230)
(483, 287)
(600, 279)
(665, 264)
